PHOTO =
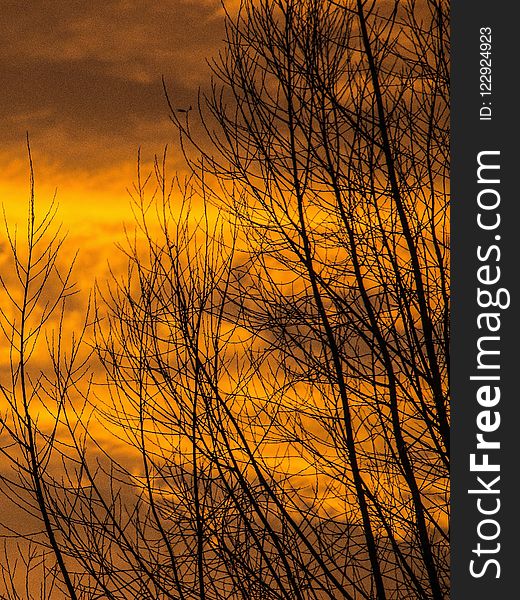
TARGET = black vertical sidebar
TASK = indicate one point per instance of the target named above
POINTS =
(485, 514)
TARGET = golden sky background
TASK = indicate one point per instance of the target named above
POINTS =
(84, 80)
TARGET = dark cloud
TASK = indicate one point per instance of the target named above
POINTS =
(84, 77)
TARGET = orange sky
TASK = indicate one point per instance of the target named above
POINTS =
(84, 79)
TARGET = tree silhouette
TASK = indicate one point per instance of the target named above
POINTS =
(329, 138)
(276, 354)
(36, 294)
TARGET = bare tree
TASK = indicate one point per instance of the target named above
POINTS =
(276, 354)
(35, 290)
(329, 137)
